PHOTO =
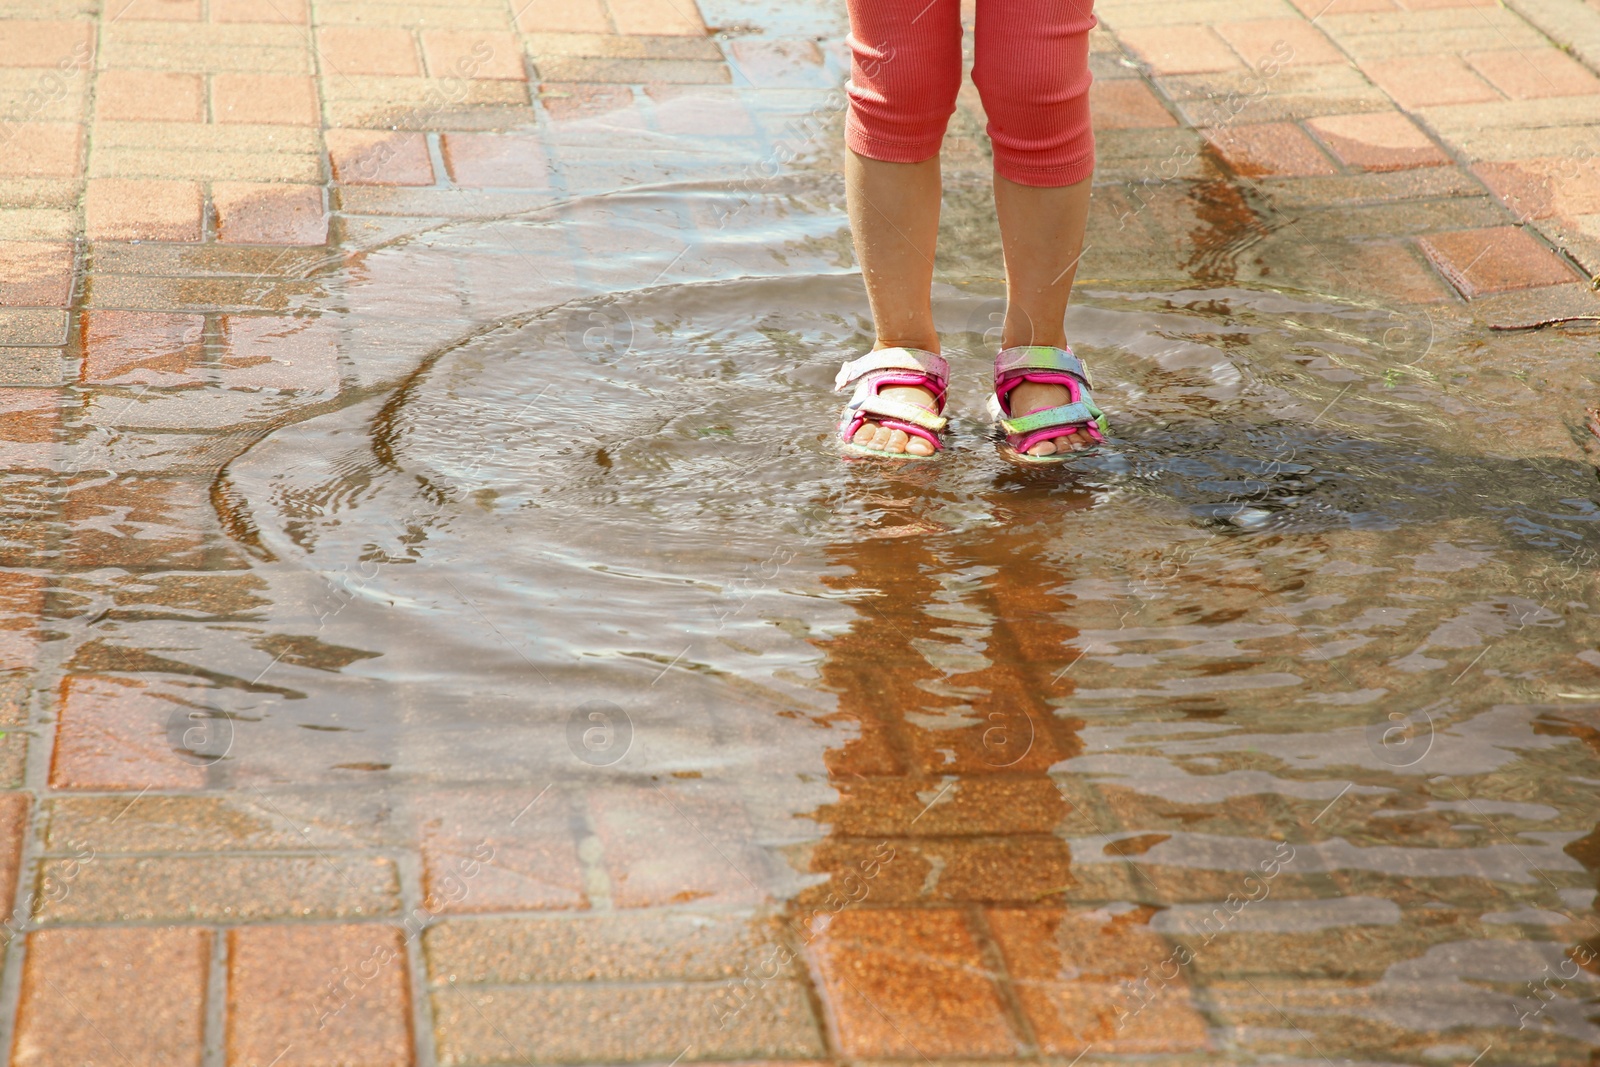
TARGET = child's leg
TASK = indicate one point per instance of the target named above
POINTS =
(1032, 71)
(905, 74)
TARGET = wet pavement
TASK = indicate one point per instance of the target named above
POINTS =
(438, 629)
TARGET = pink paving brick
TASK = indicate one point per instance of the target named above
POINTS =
(113, 996)
(142, 209)
(506, 850)
(563, 16)
(42, 150)
(660, 18)
(149, 96)
(909, 983)
(279, 352)
(1073, 973)
(1127, 104)
(141, 348)
(317, 995)
(1545, 188)
(47, 43)
(1288, 42)
(496, 160)
(613, 105)
(1434, 5)
(22, 600)
(13, 806)
(282, 12)
(1317, 8)
(271, 99)
(35, 273)
(29, 421)
(677, 846)
(1181, 49)
(1494, 260)
(367, 50)
(1530, 73)
(379, 157)
(699, 111)
(780, 64)
(1428, 81)
(1382, 140)
(482, 54)
(152, 10)
(112, 732)
(269, 213)
(1270, 149)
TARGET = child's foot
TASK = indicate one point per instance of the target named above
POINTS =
(871, 435)
(1032, 396)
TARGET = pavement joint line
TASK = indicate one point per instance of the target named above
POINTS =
(309, 843)
(130, 805)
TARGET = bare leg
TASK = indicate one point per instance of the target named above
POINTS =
(894, 219)
(1041, 230)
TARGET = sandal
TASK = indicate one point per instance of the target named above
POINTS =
(893, 366)
(1046, 366)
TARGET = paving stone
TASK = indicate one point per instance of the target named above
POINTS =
(677, 845)
(699, 111)
(1526, 74)
(1074, 972)
(375, 157)
(1540, 189)
(1180, 49)
(271, 99)
(390, 103)
(464, 54)
(112, 734)
(780, 64)
(631, 72)
(344, 50)
(190, 823)
(1127, 104)
(153, 10)
(506, 161)
(204, 47)
(113, 996)
(279, 352)
(1426, 81)
(137, 522)
(35, 273)
(491, 851)
(1289, 41)
(636, 946)
(46, 42)
(563, 16)
(149, 96)
(613, 105)
(289, 12)
(1224, 97)
(318, 995)
(613, 46)
(1438, 32)
(658, 18)
(227, 888)
(142, 347)
(1270, 148)
(31, 366)
(910, 982)
(33, 326)
(262, 213)
(13, 822)
(43, 150)
(1382, 140)
(1493, 260)
(896, 807)
(626, 1023)
(143, 209)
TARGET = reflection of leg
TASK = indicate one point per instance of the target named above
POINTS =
(906, 69)
(1032, 71)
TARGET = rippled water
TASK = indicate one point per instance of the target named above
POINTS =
(1289, 698)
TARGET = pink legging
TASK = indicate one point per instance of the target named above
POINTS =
(1031, 70)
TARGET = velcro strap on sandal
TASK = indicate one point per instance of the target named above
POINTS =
(1065, 415)
(1039, 357)
(872, 404)
(934, 366)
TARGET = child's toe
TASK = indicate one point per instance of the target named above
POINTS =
(897, 441)
(919, 446)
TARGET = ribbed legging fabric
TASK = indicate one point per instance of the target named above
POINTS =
(1031, 69)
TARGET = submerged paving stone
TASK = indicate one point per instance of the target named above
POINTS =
(114, 995)
(1493, 260)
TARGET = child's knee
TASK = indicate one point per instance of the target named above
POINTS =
(1039, 123)
(900, 103)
